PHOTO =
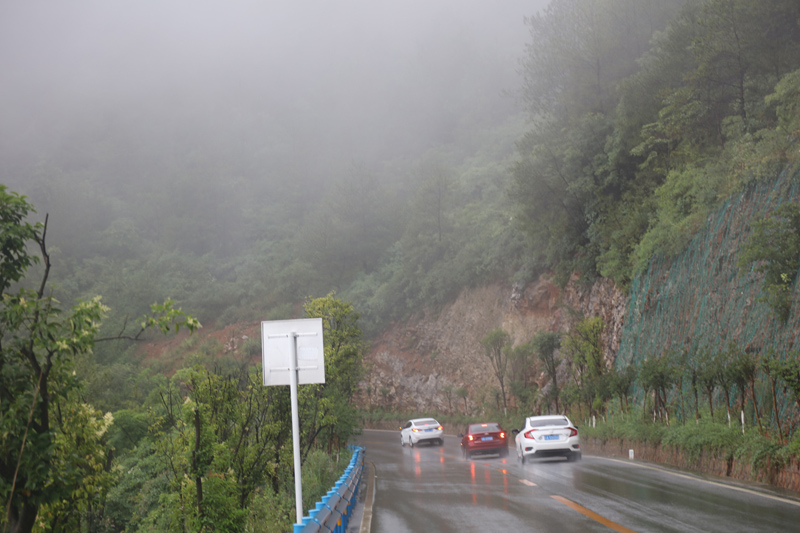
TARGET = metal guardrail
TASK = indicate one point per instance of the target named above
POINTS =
(332, 514)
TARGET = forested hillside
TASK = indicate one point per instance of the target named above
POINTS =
(635, 141)
(237, 183)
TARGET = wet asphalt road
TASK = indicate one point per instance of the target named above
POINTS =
(432, 488)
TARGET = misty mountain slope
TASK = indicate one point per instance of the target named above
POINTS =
(261, 154)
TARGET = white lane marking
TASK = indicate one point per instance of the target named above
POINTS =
(526, 482)
(702, 480)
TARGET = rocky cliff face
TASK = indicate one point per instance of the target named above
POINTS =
(414, 364)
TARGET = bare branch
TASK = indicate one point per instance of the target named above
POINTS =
(45, 257)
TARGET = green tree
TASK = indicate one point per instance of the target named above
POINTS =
(521, 377)
(583, 346)
(38, 385)
(463, 392)
(546, 345)
(434, 199)
(788, 371)
(773, 368)
(708, 375)
(774, 247)
(495, 348)
(622, 385)
(219, 438)
(658, 374)
(327, 409)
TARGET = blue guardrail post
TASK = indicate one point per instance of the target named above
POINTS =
(333, 512)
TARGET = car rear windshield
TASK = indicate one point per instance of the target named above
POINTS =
(541, 422)
(427, 422)
(483, 428)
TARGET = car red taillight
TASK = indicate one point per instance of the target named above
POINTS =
(440, 428)
(529, 434)
(572, 432)
(470, 437)
(502, 435)
(415, 430)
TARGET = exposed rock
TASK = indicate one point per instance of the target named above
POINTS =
(419, 363)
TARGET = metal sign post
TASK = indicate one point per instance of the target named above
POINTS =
(293, 354)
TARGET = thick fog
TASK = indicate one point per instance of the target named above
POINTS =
(350, 80)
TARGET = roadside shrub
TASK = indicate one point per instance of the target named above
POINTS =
(269, 512)
(320, 472)
(704, 436)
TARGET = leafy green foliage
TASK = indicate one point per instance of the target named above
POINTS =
(224, 440)
(328, 407)
(218, 437)
(775, 246)
(583, 348)
(635, 140)
(545, 345)
(17, 232)
(496, 345)
(53, 449)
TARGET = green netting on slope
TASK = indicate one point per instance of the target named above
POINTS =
(698, 299)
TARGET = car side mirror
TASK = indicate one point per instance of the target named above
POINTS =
(461, 435)
(514, 431)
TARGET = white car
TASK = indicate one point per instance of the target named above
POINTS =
(420, 430)
(547, 436)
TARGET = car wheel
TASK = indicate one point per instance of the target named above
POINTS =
(572, 457)
(410, 443)
(441, 442)
(468, 455)
(403, 444)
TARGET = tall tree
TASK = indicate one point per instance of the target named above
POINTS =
(327, 409)
(546, 345)
(495, 348)
(38, 346)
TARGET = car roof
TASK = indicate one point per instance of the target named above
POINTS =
(424, 421)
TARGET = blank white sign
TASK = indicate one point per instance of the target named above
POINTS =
(277, 337)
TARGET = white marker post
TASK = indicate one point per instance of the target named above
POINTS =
(293, 354)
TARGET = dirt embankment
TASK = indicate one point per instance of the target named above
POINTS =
(420, 363)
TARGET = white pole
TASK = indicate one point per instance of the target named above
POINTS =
(298, 479)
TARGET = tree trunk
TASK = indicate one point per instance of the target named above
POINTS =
(775, 407)
(711, 402)
(23, 520)
(755, 403)
(195, 467)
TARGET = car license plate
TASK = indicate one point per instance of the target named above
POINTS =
(551, 437)
(428, 430)
(486, 438)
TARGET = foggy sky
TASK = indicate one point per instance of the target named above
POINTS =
(363, 78)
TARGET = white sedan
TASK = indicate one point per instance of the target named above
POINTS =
(419, 430)
(547, 436)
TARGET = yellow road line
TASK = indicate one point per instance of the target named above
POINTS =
(594, 516)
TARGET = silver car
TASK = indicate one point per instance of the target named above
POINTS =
(419, 430)
(547, 436)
